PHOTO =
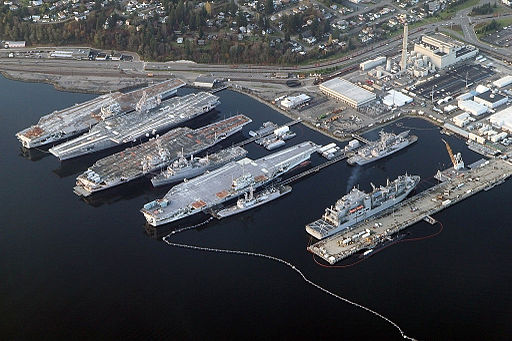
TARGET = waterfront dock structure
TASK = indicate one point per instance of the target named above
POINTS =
(344, 244)
(122, 129)
(153, 155)
(225, 183)
(78, 119)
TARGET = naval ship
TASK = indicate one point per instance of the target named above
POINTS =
(356, 206)
(144, 121)
(249, 200)
(67, 123)
(187, 168)
(387, 144)
(153, 155)
(223, 184)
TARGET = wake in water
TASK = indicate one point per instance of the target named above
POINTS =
(275, 259)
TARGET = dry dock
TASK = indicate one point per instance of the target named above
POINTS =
(409, 212)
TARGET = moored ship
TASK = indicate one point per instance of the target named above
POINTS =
(78, 119)
(153, 155)
(356, 206)
(187, 168)
(250, 200)
(144, 121)
(387, 144)
(223, 184)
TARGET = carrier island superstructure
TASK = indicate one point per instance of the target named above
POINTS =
(153, 155)
(225, 183)
(121, 129)
(357, 206)
(78, 119)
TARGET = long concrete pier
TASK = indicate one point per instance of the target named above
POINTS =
(371, 232)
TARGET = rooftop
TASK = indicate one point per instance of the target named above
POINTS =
(348, 89)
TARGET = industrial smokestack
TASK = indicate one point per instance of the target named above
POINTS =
(403, 61)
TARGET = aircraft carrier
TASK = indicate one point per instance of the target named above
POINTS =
(357, 206)
(144, 121)
(387, 144)
(184, 168)
(154, 154)
(78, 119)
(223, 184)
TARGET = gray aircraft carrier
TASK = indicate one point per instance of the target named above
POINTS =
(225, 183)
(78, 119)
(142, 122)
(154, 154)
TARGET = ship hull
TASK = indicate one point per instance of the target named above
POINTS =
(361, 161)
(236, 209)
(321, 229)
(207, 191)
(68, 123)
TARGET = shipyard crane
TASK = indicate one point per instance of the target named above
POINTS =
(457, 161)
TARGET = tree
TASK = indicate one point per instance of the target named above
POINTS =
(269, 6)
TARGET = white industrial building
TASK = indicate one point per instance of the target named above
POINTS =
(463, 119)
(370, 64)
(502, 82)
(443, 51)
(205, 82)
(502, 119)
(476, 109)
(490, 99)
(347, 92)
(291, 102)
(396, 98)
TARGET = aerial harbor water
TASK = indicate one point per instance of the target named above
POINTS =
(91, 268)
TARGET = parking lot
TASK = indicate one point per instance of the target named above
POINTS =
(453, 81)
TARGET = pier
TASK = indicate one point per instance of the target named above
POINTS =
(254, 138)
(420, 207)
(360, 138)
(313, 170)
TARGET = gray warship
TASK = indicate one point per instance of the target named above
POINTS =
(356, 206)
(250, 200)
(223, 184)
(387, 144)
(78, 119)
(153, 155)
(187, 168)
(146, 120)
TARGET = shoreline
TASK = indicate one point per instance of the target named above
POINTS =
(110, 84)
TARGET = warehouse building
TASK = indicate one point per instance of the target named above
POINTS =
(347, 92)
(370, 64)
(476, 109)
(502, 82)
(444, 51)
(291, 102)
(490, 100)
(502, 119)
(396, 99)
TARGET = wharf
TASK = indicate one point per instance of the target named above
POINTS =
(413, 210)
(254, 138)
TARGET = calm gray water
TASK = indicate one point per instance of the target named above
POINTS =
(89, 270)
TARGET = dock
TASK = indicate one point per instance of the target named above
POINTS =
(419, 207)
(360, 138)
(313, 170)
(254, 138)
